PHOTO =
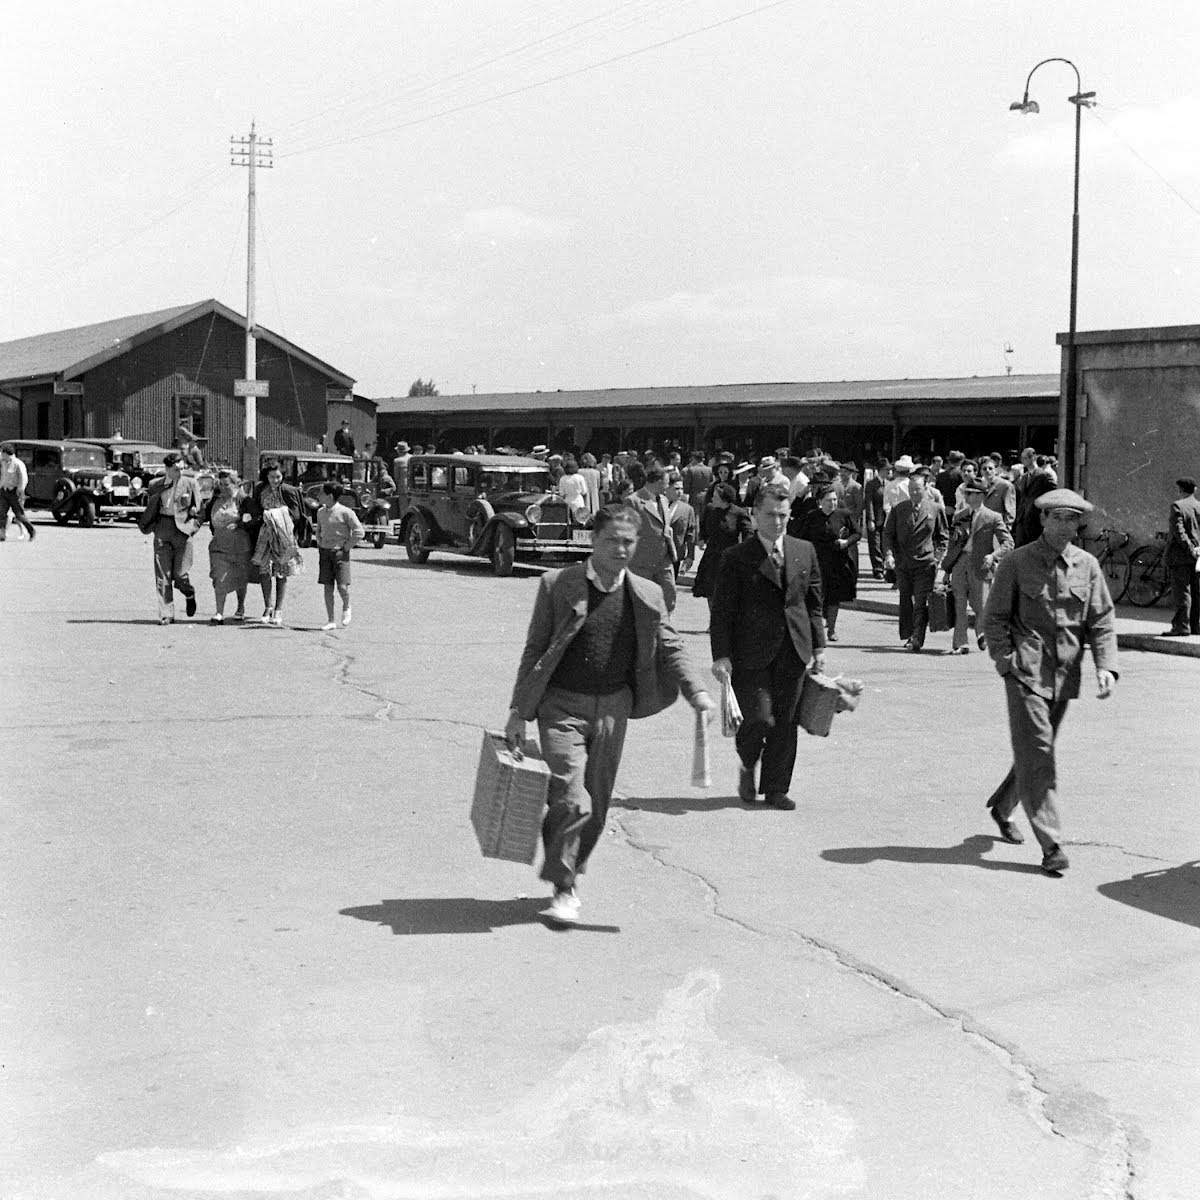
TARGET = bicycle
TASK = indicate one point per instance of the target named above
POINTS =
(1114, 560)
(1148, 573)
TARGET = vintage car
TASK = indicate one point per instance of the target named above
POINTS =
(309, 470)
(143, 463)
(494, 506)
(74, 480)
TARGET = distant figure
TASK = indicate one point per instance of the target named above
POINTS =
(654, 552)
(172, 515)
(914, 543)
(1183, 559)
(321, 444)
(230, 548)
(343, 440)
(978, 541)
(338, 532)
(276, 510)
(14, 479)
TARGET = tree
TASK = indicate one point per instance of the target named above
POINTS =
(423, 387)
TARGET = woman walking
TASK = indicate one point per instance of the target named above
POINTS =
(230, 549)
(724, 525)
(276, 510)
(833, 534)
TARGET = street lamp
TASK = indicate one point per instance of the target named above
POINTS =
(1067, 405)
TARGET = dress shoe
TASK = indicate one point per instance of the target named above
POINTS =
(1008, 831)
(190, 605)
(960, 650)
(907, 643)
(1054, 860)
(981, 642)
(830, 636)
(1174, 633)
(747, 787)
(781, 800)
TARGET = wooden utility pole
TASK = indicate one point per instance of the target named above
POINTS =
(251, 152)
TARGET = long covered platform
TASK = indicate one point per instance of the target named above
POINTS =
(858, 419)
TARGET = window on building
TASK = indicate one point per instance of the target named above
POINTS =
(190, 414)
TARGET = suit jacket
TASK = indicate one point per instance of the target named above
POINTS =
(662, 669)
(916, 535)
(656, 548)
(1002, 498)
(853, 501)
(1183, 536)
(684, 526)
(752, 614)
(990, 537)
(187, 505)
(1028, 525)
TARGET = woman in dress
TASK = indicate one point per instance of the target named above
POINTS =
(230, 549)
(724, 524)
(276, 511)
(832, 532)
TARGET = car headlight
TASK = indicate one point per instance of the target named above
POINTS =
(533, 514)
(136, 483)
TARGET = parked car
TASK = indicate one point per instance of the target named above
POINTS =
(495, 506)
(75, 482)
(308, 470)
(143, 463)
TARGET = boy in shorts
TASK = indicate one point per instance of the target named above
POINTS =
(338, 532)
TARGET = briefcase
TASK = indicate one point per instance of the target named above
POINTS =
(510, 801)
(939, 611)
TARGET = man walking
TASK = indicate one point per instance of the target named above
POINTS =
(978, 541)
(1183, 559)
(600, 650)
(767, 629)
(874, 516)
(696, 478)
(14, 479)
(1000, 495)
(654, 550)
(914, 543)
(172, 515)
(1049, 598)
(683, 524)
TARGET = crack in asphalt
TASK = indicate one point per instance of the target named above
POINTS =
(1115, 1169)
(1114, 846)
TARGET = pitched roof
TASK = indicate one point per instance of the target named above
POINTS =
(891, 391)
(68, 353)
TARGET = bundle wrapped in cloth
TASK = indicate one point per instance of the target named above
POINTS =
(823, 696)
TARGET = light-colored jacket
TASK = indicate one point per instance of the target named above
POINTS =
(1042, 608)
(972, 541)
(661, 672)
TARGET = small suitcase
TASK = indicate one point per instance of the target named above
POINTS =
(939, 611)
(510, 801)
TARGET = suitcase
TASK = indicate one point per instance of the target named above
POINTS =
(939, 611)
(510, 801)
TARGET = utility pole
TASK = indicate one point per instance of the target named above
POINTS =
(252, 152)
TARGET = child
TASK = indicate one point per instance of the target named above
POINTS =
(338, 531)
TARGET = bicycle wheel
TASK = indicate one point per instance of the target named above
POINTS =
(1147, 576)
(1115, 566)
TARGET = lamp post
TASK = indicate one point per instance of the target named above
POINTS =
(1067, 402)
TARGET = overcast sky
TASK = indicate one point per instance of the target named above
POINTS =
(809, 191)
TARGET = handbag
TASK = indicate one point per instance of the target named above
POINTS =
(939, 611)
(822, 697)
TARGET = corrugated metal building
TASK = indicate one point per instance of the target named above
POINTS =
(149, 375)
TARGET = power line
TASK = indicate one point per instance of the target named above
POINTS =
(529, 87)
(1146, 163)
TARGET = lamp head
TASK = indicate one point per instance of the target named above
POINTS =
(1025, 105)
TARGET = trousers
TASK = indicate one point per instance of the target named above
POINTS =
(171, 561)
(582, 737)
(10, 501)
(915, 582)
(967, 587)
(875, 547)
(1185, 597)
(1032, 780)
(768, 697)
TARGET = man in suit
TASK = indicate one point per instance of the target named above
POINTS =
(978, 541)
(655, 556)
(766, 630)
(600, 650)
(1183, 554)
(1027, 527)
(172, 514)
(696, 478)
(947, 480)
(851, 493)
(1000, 496)
(1049, 598)
(874, 516)
(914, 543)
(683, 523)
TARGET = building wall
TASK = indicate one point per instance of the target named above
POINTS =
(1139, 428)
(360, 412)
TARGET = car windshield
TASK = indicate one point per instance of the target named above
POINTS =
(319, 472)
(519, 479)
(75, 457)
(143, 458)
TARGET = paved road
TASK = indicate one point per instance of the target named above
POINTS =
(251, 949)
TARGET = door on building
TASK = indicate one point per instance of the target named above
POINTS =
(43, 419)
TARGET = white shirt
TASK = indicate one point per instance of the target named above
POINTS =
(594, 579)
(573, 489)
(13, 474)
(894, 491)
(775, 547)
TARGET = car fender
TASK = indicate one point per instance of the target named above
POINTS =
(419, 510)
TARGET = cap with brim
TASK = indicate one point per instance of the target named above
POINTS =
(742, 468)
(973, 487)
(541, 450)
(1064, 498)
(402, 447)
(848, 466)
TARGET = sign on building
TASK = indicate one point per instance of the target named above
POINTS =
(252, 387)
(68, 387)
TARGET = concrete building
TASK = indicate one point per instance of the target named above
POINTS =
(149, 375)
(855, 419)
(1138, 422)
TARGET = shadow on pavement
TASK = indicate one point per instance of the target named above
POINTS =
(128, 621)
(678, 806)
(460, 914)
(463, 565)
(1172, 892)
(968, 853)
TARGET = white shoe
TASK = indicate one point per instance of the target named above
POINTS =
(346, 615)
(328, 626)
(277, 619)
(564, 908)
(266, 618)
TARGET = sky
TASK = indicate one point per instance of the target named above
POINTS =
(524, 195)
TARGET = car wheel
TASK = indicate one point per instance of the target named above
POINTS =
(377, 540)
(416, 537)
(504, 551)
(60, 506)
(87, 513)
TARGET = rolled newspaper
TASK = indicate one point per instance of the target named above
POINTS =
(701, 776)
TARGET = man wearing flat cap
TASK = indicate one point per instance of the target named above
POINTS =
(1049, 598)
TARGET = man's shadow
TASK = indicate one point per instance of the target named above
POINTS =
(678, 806)
(460, 914)
(1171, 892)
(968, 853)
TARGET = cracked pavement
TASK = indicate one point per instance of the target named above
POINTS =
(251, 947)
